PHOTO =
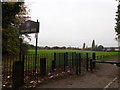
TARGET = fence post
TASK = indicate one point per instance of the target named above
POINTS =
(17, 74)
(23, 60)
(59, 59)
(66, 57)
(86, 61)
(55, 60)
(72, 59)
(42, 66)
(93, 58)
(91, 65)
(53, 65)
(64, 62)
(79, 62)
(76, 62)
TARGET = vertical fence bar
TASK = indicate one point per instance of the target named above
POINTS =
(79, 62)
(31, 59)
(23, 60)
(26, 64)
(91, 65)
(72, 60)
(59, 58)
(93, 57)
(42, 66)
(76, 63)
(64, 62)
(28, 60)
(55, 59)
(86, 61)
(66, 57)
(53, 65)
(7, 66)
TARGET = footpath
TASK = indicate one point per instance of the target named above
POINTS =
(104, 76)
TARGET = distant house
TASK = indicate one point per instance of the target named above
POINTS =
(112, 49)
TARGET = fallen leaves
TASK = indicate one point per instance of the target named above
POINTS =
(32, 79)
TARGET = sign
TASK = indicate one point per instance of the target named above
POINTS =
(36, 35)
(29, 27)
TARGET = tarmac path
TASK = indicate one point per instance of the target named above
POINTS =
(104, 76)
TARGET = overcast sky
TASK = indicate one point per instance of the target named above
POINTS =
(74, 22)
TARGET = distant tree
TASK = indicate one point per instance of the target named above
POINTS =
(56, 47)
(47, 47)
(100, 47)
(93, 44)
(31, 46)
(63, 47)
(83, 45)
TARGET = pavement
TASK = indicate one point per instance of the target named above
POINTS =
(101, 77)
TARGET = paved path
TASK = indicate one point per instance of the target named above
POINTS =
(99, 78)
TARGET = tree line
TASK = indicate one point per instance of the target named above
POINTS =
(93, 47)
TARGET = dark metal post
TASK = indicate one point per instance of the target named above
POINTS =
(36, 36)
(93, 57)
(20, 48)
(42, 66)
(53, 65)
(66, 57)
(64, 62)
(55, 59)
(72, 59)
(23, 59)
(87, 61)
(91, 65)
(17, 75)
(79, 62)
(36, 52)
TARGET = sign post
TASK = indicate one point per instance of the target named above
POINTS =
(36, 36)
(29, 27)
(20, 38)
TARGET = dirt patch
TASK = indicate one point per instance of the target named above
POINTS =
(99, 78)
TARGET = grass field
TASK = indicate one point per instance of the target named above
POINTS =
(98, 53)
(49, 55)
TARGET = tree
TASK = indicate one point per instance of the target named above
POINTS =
(93, 44)
(10, 41)
(100, 47)
(9, 12)
(10, 22)
(83, 45)
(117, 27)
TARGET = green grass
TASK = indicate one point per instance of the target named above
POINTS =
(49, 55)
(51, 52)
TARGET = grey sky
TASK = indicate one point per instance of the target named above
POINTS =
(73, 22)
